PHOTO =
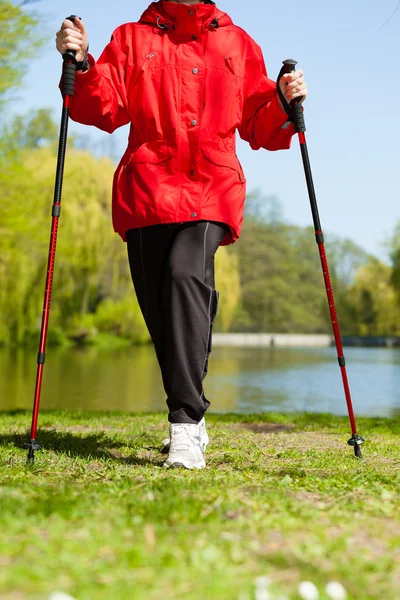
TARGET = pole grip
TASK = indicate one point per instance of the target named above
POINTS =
(69, 68)
(294, 110)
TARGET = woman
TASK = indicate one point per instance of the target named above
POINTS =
(186, 79)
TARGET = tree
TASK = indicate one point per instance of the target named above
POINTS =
(345, 258)
(35, 129)
(375, 299)
(394, 249)
(228, 284)
(19, 42)
(91, 264)
(282, 288)
(263, 209)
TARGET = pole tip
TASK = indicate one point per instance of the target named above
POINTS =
(356, 441)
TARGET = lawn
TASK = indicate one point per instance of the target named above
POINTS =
(282, 496)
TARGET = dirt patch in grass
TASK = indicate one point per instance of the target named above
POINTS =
(267, 428)
(310, 497)
(83, 428)
(288, 437)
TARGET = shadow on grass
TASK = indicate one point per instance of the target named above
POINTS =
(94, 446)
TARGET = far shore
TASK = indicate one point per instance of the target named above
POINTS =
(289, 340)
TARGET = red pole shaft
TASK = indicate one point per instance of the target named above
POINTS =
(336, 332)
(45, 322)
(327, 279)
(67, 89)
(50, 268)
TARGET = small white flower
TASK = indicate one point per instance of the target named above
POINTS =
(262, 594)
(60, 596)
(308, 590)
(336, 591)
(262, 582)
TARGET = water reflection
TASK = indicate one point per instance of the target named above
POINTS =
(239, 380)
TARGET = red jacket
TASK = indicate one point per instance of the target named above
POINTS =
(186, 78)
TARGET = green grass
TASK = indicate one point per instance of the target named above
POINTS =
(282, 496)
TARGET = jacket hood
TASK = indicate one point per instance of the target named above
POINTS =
(169, 15)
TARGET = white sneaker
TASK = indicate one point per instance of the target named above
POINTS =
(204, 439)
(185, 447)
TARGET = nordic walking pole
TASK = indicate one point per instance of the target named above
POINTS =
(295, 112)
(67, 88)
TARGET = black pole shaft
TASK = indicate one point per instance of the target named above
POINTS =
(310, 187)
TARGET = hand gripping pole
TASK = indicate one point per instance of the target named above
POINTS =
(67, 88)
(295, 112)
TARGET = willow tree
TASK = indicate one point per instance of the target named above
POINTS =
(91, 263)
(228, 284)
(19, 42)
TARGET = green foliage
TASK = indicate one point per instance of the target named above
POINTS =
(19, 42)
(373, 294)
(228, 284)
(345, 258)
(394, 248)
(121, 318)
(35, 129)
(282, 284)
(91, 265)
(280, 276)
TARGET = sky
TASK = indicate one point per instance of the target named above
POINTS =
(349, 58)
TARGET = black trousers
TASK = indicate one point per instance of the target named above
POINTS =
(172, 268)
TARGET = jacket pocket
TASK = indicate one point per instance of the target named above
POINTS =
(224, 159)
(229, 63)
(155, 153)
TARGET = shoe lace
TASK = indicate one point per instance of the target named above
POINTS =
(183, 438)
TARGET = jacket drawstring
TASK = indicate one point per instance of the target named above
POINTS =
(163, 26)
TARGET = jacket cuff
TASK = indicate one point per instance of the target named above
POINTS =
(90, 75)
(278, 115)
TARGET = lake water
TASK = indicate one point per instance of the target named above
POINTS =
(243, 380)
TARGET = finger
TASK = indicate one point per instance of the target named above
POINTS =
(295, 84)
(72, 37)
(297, 94)
(296, 74)
(80, 25)
(295, 79)
(71, 46)
(69, 31)
(68, 24)
(300, 89)
(292, 77)
(286, 78)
